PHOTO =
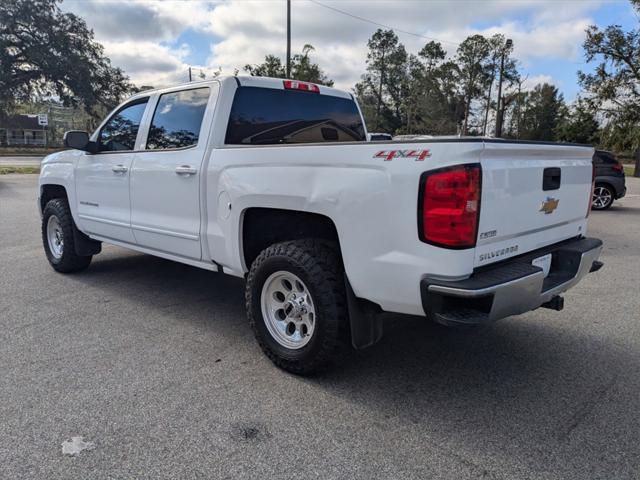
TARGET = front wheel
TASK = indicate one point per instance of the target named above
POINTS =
(602, 197)
(296, 304)
(58, 239)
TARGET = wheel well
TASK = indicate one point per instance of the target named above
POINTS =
(262, 227)
(49, 192)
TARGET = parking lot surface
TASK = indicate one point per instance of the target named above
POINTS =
(154, 363)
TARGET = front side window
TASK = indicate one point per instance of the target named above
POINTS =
(263, 116)
(177, 119)
(120, 132)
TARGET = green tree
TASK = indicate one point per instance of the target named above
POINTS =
(47, 53)
(302, 68)
(474, 72)
(498, 49)
(541, 113)
(431, 104)
(578, 124)
(384, 82)
(271, 67)
(614, 86)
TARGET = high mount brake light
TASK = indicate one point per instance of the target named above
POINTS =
(449, 206)
(304, 86)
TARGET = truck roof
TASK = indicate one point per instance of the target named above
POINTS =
(245, 81)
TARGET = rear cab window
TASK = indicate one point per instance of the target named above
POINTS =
(268, 116)
(177, 119)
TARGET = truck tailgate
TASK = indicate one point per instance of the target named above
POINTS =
(533, 195)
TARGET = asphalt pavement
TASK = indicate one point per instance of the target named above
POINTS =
(154, 363)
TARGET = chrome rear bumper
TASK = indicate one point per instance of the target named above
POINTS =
(511, 287)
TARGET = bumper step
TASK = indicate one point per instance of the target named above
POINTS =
(511, 287)
(462, 317)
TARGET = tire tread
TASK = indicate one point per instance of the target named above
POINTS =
(70, 261)
(321, 261)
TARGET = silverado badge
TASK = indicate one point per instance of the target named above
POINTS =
(549, 205)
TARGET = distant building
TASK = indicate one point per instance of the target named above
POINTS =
(22, 130)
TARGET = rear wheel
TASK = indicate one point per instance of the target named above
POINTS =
(58, 238)
(602, 197)
(296, 305)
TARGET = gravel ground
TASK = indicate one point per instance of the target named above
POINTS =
(154, 363)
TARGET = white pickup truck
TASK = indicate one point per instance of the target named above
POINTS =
(273, 180)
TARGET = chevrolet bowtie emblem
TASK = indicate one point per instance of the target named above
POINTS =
(549, 205)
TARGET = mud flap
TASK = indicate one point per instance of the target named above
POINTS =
(84, 246)
(365, 319)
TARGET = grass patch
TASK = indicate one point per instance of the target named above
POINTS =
(629, 169)
(30, 151)
(7, 170)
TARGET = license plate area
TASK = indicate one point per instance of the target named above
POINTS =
(544, 262)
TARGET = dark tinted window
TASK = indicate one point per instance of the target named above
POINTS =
(120, 132)
(177, 119)
(608, 158)
(380, 136)
(269, 116)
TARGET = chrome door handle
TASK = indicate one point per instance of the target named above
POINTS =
(186, 170)
(119, 169)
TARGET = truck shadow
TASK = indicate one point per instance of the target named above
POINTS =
(523, 382)
(619, 210)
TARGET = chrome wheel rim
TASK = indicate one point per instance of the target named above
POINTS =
(288, 310)
(55, 236)
(601, 197)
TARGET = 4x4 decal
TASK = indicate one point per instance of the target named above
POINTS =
(389, 155)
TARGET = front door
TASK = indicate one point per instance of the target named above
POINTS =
(102, 179)
(166, 173)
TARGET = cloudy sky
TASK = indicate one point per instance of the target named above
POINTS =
(156, 41)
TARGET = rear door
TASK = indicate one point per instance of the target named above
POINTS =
(533, 195)
(165, 176)
(102, 179)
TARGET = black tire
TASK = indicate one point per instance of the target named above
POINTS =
(319, 266)
(608, 196)
(68, 261)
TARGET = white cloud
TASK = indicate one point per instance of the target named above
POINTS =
(560, 40)
(136, 33)
(149, 63)
(531, 81)
(141, 19)
(251, 29)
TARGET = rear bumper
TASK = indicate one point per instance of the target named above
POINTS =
(617, 182)
(511, 287)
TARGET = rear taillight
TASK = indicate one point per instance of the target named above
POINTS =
(449, 206)
(593, 187)
(618, 167)
(304, 86)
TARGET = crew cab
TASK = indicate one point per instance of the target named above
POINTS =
(273, 180)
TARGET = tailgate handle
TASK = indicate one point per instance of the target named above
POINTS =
(551, 178)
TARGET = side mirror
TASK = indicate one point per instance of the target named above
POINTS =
(80, 141)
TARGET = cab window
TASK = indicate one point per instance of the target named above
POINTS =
(120, 132)
(177, 119)
(267, 116)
